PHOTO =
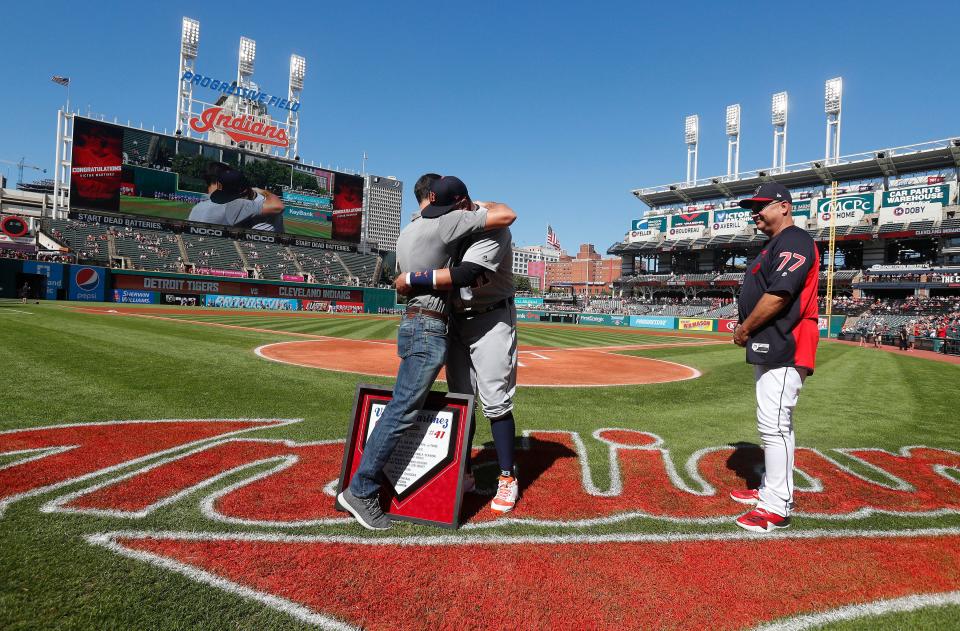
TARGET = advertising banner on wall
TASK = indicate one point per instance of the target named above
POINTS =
(653, 322)
(907, 212)
(849, 210)
(54, 273)
(694, 324)
(730, 222)
(87, 283)
(659, 223)
(528, 316)
(250, 302)
(643, 235)
(135, 297)
(801, 212)
(726, 326)
(527, 302)
(688, 225)
(187, 285)
(916, 195)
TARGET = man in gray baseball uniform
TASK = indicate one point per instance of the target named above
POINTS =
(482, 352)
(430, 241)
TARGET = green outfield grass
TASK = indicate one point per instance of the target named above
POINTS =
(149, 207)
(64, 366)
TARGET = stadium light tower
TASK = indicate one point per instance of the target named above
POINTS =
(832, 105)
(691, 135)
(189, 45)
(298, 70)
(245, 65)
(733, 140)
(778, 116)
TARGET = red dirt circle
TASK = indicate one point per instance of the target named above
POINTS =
(551, 367)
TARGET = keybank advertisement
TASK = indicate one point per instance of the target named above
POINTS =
(653, 322)
(87, 283)
(53, 272)
(850, 209)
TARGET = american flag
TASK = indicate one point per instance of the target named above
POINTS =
(552, 239)
(64, 81)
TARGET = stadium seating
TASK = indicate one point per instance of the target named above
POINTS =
(324, 265)
(212, 252)
(270, 260)
(364, 267)
(90, 241)
(148, 249)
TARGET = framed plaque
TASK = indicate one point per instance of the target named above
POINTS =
(422, 480)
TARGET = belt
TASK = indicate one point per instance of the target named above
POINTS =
(436, 315)
(497, 305)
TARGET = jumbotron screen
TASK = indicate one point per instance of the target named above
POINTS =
(123, 170)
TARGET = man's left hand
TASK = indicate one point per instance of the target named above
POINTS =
(400, 284)
(740, 335)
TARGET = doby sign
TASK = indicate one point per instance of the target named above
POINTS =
(906, 213)
(849, 210)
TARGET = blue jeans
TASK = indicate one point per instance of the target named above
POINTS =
(422, 347)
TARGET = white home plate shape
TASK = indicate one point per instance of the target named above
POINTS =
(424, 448)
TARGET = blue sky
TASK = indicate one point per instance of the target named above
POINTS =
(557, 108)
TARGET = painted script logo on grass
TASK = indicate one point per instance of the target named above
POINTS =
(243, 128)
(293, 482)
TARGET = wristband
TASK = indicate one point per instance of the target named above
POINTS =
(421, 279)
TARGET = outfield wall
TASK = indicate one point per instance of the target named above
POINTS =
(668, 323)
(60, 281)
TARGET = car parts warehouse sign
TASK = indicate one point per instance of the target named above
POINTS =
(916, 195)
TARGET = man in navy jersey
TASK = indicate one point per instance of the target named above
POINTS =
(778, 327)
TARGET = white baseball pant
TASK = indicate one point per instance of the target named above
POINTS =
(777, 392)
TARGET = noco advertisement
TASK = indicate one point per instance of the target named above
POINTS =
(134, 172)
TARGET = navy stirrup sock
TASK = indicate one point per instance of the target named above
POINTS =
(504, 430)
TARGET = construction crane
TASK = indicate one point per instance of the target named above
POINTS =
(21, 165)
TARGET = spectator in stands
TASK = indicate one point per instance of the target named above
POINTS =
(232, 202)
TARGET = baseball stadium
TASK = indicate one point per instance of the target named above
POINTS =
(186, 403)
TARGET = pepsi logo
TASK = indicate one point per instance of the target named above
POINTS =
(87, 278)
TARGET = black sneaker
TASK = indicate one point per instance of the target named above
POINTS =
(366, 510)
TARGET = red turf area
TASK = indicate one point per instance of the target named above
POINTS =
(707, 584)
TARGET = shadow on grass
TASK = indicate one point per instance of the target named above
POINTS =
(531, 464)
(747, 462)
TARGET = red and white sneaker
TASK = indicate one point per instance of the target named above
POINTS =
(745, 496)
(508, 491)
(761, 520)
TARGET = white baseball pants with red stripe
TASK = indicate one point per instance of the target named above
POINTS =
(777, 392)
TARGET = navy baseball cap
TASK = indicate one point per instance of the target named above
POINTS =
(233, 185)
(766, 193)
(448, 191)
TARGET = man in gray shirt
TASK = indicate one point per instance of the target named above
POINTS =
(231, 202)
(482, 353)
(427, 243)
